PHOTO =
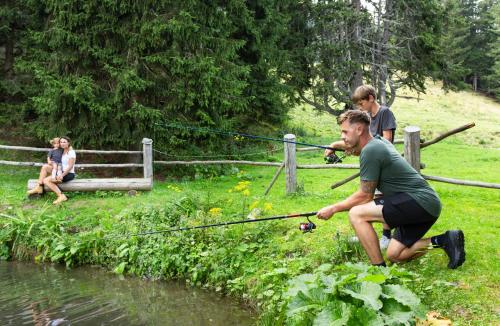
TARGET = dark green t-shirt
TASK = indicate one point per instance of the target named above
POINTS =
(379, 161)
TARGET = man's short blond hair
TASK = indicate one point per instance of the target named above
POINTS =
(354, 116)
(363, 92)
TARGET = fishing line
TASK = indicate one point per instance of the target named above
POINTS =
(234, 133)
(304, 227)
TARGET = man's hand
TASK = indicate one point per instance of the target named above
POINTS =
(326, 212)
(329, 151)
(59, 178)
(337, 145)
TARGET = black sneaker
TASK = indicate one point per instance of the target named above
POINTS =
(454, 248)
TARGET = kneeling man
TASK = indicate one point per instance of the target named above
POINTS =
(409, 204)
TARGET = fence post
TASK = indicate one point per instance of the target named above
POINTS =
(290, 164)
(147, 157)
(412, 146)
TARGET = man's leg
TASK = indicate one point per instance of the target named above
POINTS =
(398, 252)
(386, 230)
(361, 218)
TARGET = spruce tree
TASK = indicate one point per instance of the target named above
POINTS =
(107, 73)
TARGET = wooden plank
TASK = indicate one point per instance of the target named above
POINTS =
(77, 166)
(147, 157)
(21, 163)
(412, 146)
(37, 149)
(343, 182)
(447, 134)
(275, 177)
(290, 164)
(463, 182)
(218, 162)
(116, 184)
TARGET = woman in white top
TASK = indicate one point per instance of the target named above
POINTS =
(68, 167)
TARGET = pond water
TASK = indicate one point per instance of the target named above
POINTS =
(33, 294)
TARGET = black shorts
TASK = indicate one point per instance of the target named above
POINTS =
(403, 213)
(68, 177)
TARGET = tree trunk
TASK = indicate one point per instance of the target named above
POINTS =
(383, 52)
(9, 58)
(357, 79)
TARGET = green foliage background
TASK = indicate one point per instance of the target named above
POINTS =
(104, 72)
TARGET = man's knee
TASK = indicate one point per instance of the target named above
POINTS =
(394, 256)
(355, 215)
(395, 251)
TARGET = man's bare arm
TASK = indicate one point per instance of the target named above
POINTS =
(368, 187)
(387, 134)
(339, 145)
(362, 196)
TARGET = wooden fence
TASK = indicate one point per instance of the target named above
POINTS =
(412, 146)
(145, 183)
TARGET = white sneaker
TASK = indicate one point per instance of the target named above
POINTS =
(384, 242)
(353, 239)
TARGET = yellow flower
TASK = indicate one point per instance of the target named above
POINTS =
(216, 211)
(246, 192)
(268, 207)
(174, 188)
(242, 186)
(254, 204)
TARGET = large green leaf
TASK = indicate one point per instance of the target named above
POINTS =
(331, 283)
(402, 295)
(368, 292)
(301, 303)
(336, 313)
(374, 278)
(319, 296)
(300, 283)
(396, 314)
(325, 267)
(366, 317)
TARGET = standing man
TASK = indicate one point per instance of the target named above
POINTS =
(409, 204)
(383, 123)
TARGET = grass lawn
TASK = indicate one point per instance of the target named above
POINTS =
(469, 295)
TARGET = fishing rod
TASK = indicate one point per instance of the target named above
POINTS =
(304, 227)
(234, 133)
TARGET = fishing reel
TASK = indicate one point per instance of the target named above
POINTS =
(307, 227)
(332, 159)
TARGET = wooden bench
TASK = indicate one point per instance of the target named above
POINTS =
(109, 184)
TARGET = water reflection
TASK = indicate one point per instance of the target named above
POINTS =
(49, 295)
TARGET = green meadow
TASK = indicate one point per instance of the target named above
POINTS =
(254, 261)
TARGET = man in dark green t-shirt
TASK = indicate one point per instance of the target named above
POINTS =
(382, 123)
(409, 204)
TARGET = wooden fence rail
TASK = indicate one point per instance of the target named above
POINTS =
(78, 166)
(412, 146)
(145, 183)
(218, 162)
(90, 151)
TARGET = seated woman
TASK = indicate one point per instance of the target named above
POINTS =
(68, 172)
